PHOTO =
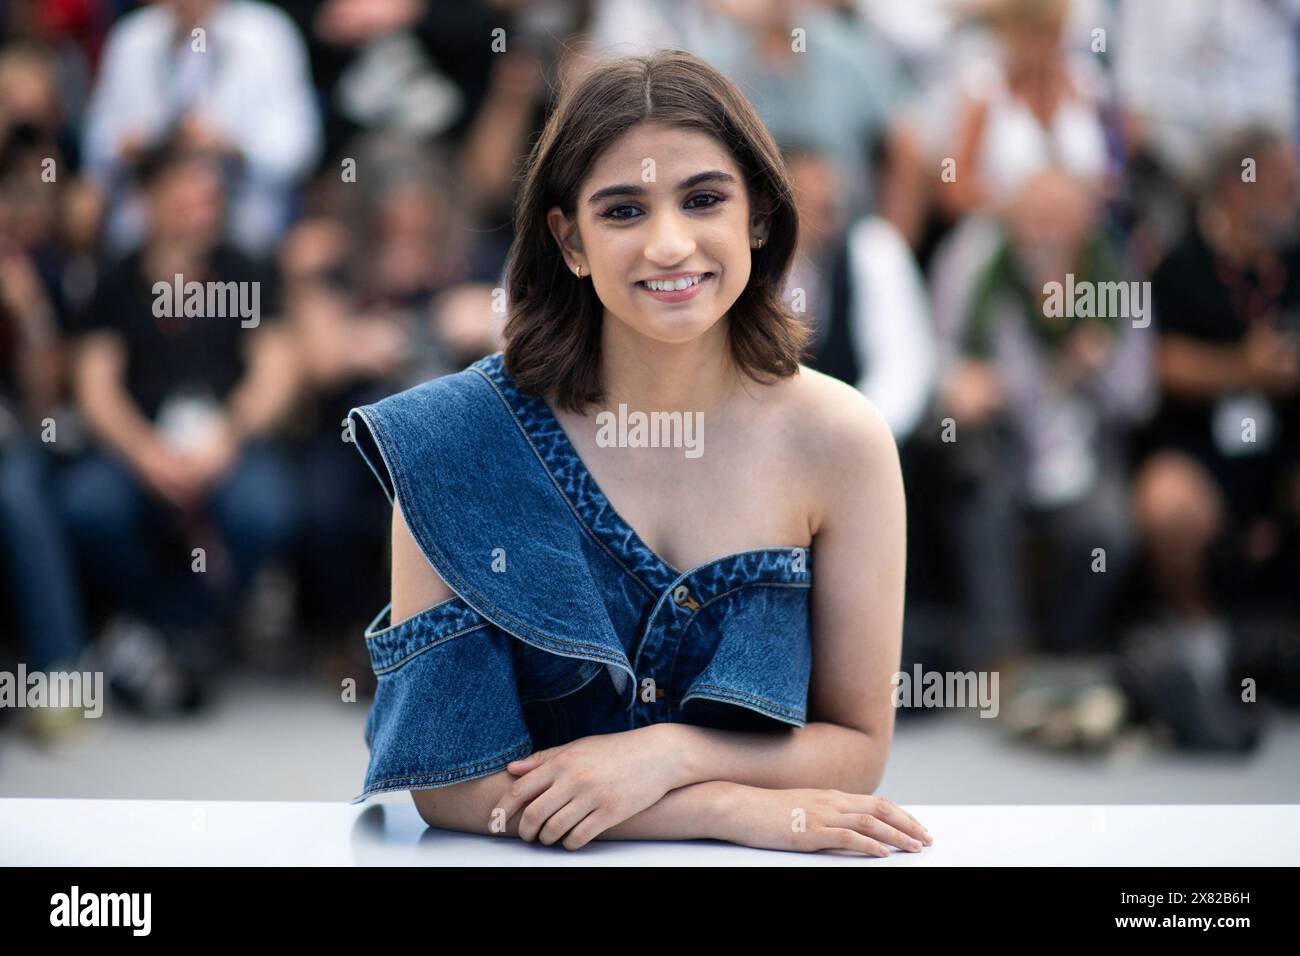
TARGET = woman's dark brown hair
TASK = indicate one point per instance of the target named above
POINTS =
(553, 329)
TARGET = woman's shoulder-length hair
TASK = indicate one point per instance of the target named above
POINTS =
(552, 332)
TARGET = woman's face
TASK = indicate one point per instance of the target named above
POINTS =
(662, 205)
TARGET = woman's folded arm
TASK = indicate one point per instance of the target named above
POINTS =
(697, 811)
(803, 820)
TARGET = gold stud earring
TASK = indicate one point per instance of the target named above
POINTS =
(759, 244)
(577, 271)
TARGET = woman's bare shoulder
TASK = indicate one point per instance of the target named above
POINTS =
(839, 436)
(832, 422)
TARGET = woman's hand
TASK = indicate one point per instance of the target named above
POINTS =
(580, 789)
(811, 820)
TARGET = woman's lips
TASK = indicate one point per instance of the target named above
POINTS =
(677, 295)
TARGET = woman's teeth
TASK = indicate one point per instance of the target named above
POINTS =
(672, 285)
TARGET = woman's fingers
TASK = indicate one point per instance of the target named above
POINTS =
(534, 759)
(920, 830)
(524, 790)
(890, 812)
(879, 830)
(564, 820)
(540, 808)
(847, 838)
(592, 826)
(893, 814)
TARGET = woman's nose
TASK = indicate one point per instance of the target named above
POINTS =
(669, 240)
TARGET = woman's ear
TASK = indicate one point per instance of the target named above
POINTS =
(565, 231)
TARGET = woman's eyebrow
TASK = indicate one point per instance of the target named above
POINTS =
(628, 189)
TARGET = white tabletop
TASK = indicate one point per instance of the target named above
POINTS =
(389, 832)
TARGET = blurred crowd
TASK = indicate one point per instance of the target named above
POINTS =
(1055, 242)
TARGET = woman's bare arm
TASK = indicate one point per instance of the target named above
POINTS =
(698, 811)
(416, 585)
(860, 543)
(804, 820)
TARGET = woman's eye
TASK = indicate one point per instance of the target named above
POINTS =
(715, 200)
(611, 213)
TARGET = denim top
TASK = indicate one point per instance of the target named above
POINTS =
(564, 624)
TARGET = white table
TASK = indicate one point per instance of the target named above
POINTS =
(389, 832)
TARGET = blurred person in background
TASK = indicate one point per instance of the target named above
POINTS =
(55, 213)
(413, 67)
(37, 157)
(1218, 494)
(39, 153)
(345, 355)
(232, 77)
(383, 304)
(412, 260)
(1041, 401)
(1033, 107)
(510, 115)
(183, 407)
(423, 72)
(956, 53)
(864, 295)
(408, 223)
(1188, 75)
(32, 116)
(52, 212)
(34, 552)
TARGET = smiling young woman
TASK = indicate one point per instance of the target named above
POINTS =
(615, 640)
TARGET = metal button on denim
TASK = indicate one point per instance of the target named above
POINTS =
(560, 608)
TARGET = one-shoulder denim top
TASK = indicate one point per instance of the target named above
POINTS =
(564, 624)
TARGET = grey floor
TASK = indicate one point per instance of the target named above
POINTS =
(278, 739)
